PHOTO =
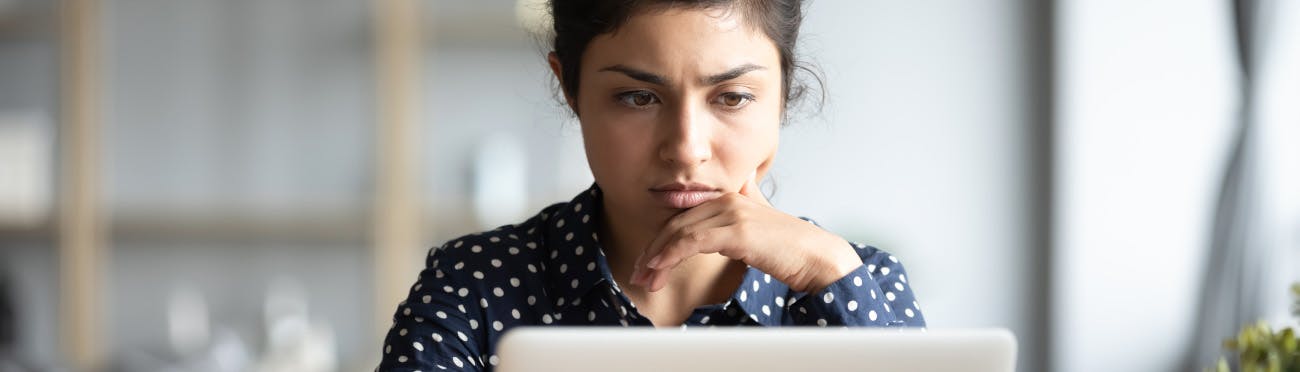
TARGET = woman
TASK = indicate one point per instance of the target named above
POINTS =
(680, 105)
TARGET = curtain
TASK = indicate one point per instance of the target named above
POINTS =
(1256, 227)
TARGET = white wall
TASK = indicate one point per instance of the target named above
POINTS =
(923, 150)
(1144, 107)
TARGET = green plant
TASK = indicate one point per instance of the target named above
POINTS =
(1260, 349)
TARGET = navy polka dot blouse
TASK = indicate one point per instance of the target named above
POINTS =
(550, 270)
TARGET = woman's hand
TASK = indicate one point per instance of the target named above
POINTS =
(744, 226)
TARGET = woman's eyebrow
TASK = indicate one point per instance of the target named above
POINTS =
(653, 78)
(730, 74)
(645, 76)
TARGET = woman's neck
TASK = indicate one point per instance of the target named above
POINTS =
(624, 239)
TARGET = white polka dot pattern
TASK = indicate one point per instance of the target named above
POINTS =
(551, 270)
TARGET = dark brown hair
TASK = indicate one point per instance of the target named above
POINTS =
(576, 22)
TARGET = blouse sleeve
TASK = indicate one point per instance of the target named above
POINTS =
(434, 329)
(875, 294)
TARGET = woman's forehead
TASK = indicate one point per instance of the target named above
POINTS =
(676, 41)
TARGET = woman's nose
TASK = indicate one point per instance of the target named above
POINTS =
(687, 136)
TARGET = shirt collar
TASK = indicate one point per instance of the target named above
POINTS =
(576, 264)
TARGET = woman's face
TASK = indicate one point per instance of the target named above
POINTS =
(678, 107)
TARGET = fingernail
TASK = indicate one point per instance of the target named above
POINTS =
(654, 262)
(640, 277)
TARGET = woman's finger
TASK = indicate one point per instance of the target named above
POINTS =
(674, 248)
(711, 240)
(750, 190)
(706, 236)
(686, 219)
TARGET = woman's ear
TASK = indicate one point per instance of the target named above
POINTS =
(554, 61)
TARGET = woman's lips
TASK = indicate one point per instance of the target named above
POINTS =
(683, 199)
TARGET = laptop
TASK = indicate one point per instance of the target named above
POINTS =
(755, 349)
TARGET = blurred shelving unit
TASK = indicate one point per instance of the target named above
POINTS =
(86, 225)
(216, 147)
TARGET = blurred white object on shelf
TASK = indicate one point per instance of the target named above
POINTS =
(25, 168)
(500, 176)
(293, 341)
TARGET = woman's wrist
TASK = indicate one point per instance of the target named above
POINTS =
(836, 259)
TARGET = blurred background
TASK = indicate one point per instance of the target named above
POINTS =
(240, 185)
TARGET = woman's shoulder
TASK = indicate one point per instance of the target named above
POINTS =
(522, 249)
(515, 246)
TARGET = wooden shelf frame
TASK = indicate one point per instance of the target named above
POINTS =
(80, 221)
(398, 26)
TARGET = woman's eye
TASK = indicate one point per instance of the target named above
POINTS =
(735, 100)
(638, 99)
